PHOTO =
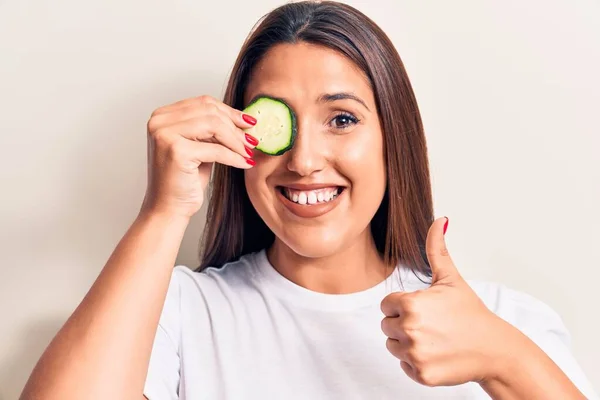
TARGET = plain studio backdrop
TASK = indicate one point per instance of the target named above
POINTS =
(510, 97)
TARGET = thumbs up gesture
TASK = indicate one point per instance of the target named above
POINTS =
(442, 335)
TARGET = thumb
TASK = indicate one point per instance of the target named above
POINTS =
(442, 266)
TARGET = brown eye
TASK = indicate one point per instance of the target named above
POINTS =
(343, 121)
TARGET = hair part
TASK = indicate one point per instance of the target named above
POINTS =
(400, 225)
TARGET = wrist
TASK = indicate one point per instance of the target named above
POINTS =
(153, 212)
(508, 351)
(163, 218)
(509, 363)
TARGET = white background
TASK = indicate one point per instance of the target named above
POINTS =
(510, 97)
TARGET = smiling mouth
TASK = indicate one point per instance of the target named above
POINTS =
(311, 197)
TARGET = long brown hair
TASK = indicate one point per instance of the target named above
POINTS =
(400, 225)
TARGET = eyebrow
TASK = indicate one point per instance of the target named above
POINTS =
(330, 97)
(324, 98)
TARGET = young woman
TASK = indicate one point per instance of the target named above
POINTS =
(324, 273)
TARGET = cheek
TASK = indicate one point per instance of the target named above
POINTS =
(265, 165)
(251, 179)
(256, 180)
(362, 158)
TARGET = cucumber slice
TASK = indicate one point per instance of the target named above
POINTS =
(276, 127)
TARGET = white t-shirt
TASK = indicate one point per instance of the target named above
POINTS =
(244, 331)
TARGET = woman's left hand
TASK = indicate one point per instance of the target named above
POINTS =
(443, 335)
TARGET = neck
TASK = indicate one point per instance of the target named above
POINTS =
(353, 269)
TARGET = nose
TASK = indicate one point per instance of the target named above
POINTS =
(308, 155)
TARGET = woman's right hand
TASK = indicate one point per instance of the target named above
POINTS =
(184, 140)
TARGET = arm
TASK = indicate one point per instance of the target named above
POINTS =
(103, 350)
(446, 335)
(526, 372)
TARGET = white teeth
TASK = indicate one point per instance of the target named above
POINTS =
(311, 197)
(302, 198)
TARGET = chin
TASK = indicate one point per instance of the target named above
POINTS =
(313, 242)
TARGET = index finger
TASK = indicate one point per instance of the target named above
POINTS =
(389, 304)
(241, 120)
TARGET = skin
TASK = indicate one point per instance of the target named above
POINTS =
(435, 347)
(103, 350)
(329, 148)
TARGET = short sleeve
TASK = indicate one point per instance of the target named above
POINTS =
(162, 380)
(545, 327)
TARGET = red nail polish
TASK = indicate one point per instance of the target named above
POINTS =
(252, 140)
(249, 151)
(249, 119)
(251, 161)
(446, 224)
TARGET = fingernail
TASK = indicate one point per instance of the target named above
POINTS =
(252, 140)
(251, 161)
(446, 224)
(249, 151)
(249, 119)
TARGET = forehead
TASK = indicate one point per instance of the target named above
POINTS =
(301, 72)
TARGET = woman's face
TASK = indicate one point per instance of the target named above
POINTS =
(339, 147)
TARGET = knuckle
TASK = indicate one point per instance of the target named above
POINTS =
(390, 345)
(425, 376)
(159, 136)
(415, 354)
(213, 119)
(410, 303)
(207, 100)
(384, 305)
(186, 113)
(222, 153)
(199, 128)
(156, 112)
(386, 326)
(212, 109)
(413, 324)
(431, 253)
(443, 251)
(152, 124)
(206, 126)
(389, 302)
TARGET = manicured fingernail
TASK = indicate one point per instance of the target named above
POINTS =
(249, 119)
(252, 140)
(251, 161)
(446, 224)
(249, 151)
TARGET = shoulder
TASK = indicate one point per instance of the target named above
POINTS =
(529, 314)
(200, 294)
(234, 272)
(234, 275)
